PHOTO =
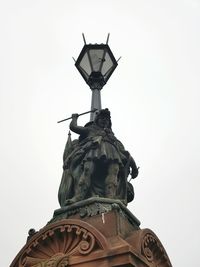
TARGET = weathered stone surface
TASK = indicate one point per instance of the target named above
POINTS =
(106, 239)
(94, 206)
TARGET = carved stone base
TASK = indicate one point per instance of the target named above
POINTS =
(106, 239)
(94, 206)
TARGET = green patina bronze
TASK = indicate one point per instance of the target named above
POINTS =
(96, 164)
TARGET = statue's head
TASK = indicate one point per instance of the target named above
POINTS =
(103, 119)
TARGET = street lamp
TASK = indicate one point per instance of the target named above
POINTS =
(96, 64)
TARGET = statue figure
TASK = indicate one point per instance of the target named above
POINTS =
(96, 164)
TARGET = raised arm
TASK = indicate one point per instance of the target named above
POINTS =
(75, 128)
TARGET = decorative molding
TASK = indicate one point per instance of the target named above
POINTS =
(94, 206)
(153, 250)
(57, 243)
(59, 260)
(107, 240)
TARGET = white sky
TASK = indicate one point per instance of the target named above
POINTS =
(153, 96)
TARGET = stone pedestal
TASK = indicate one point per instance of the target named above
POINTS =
(95, 232)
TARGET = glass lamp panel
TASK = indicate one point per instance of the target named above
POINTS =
(84, 74)
(107, 64)
(107, 74)
(85, 64)
(96, 56)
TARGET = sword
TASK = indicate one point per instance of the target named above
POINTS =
(93, 110)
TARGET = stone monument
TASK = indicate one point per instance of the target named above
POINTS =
(93, 225)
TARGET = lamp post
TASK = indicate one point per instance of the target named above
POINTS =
(96, 64)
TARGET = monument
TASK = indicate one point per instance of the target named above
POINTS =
(93, 225)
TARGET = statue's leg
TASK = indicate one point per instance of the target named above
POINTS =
(83, 185)
(111, 180)
(85, 180)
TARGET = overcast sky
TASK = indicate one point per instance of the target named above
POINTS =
(153, 96)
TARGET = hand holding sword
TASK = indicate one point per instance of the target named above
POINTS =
(77, 115)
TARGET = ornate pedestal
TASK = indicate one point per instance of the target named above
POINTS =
(95, 232)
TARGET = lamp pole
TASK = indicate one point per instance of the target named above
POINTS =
(96, 102)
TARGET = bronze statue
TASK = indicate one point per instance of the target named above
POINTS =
(96, 164)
